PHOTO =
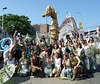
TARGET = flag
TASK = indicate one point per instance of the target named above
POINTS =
(66, 16)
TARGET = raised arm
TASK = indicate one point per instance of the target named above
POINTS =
(14, 36)
(12, 47)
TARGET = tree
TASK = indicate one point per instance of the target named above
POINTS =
(14, 22)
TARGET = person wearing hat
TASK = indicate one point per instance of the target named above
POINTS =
(35, 64)
(75, 65)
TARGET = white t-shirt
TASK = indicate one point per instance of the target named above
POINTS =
(79, 52)
(63, 50)
(56, 62)
(11, 62)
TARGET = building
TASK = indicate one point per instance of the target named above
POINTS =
(40, 30)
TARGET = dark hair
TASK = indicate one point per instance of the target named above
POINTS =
(72, 53)
(79, 44)
(61, 44)
(92, 39)
(84, 42)
(57, 54)
(56, 44)
(10, 52)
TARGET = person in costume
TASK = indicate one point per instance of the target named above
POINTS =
(47, 64)
(66, 72)
(78, 49)
(91, 42)
(93, 61)
(70, 46)
(57, 66)
(75, 65)
(23, 65)
(10, 60)
(44, 43)
(63, 50)
(56, 49)
(35, 64)
(33, 45)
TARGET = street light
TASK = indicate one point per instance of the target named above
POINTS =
(2, 19)
(79, 14)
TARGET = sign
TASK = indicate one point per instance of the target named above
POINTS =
(80, 25)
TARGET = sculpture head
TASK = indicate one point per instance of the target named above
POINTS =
(49, 11)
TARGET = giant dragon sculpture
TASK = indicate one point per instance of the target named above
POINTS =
(54, 23)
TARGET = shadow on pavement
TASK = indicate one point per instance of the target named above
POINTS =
(91, 75)
(98, 68)
(17, 79)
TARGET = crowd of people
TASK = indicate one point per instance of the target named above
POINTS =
(65, 59)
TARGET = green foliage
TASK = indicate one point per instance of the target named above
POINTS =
(14, 22)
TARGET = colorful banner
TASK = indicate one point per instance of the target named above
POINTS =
(80, 25)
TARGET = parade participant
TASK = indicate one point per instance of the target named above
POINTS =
(35, 63)
(63, 49)
(33, 45)
(38, 49)
(44, 43)
(75, 65)
(92, 45)
(56, 49)
(47, 64)
(75, 42)
(57, 66)
(60, 43)
(29, 49)
(86, 59)
(23, 65)
(85, 46)
(18, 52)
(66, 72)
(49, 49)
(70, 46)
(91, 42)
(11, 49)
(78, 49)
(10, 60)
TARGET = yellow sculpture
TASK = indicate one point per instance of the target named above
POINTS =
(54, 23)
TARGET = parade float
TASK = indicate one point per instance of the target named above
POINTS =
(54, 29)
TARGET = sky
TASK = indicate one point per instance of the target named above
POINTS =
(89, 10)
